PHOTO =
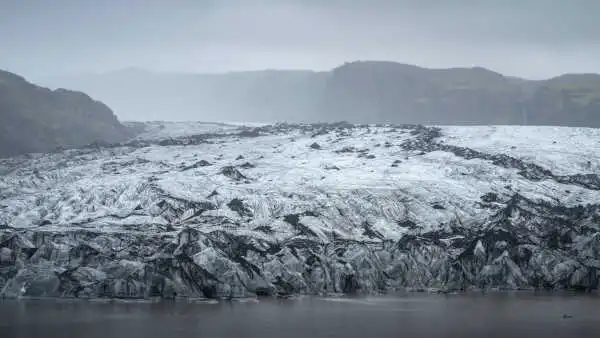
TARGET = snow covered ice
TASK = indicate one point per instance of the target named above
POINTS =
(221, 211)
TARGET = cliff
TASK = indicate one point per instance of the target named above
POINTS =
(37, 119)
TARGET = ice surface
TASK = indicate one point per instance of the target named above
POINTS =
(375, 208)
(564, 150)
(161, 130)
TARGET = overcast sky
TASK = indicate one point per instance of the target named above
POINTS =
(528, 38)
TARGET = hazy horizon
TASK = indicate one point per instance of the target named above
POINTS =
(233, 71)
(533, 39)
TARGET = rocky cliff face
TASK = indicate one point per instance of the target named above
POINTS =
(37, 119)
(393, 92)
(285, 209)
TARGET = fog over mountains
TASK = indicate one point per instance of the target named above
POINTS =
(361, 92)
(38, 119)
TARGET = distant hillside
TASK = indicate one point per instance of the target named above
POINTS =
(366, 91)
(37, 119)
(392, 92)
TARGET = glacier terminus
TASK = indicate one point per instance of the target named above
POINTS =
(225, 211)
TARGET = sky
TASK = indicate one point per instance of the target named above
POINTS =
(528, 38)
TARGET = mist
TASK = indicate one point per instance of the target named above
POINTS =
(530, 39)
(267, 61)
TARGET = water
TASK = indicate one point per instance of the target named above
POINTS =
(417, 315)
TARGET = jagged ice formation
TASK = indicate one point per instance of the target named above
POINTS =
(244, 211)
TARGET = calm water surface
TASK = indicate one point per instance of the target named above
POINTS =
(416, 315)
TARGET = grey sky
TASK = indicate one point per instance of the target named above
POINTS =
(528, 38)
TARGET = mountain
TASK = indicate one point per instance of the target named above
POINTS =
(392, 92)
(37, 119)
(571, 99)
(362, 91)
(215, 211)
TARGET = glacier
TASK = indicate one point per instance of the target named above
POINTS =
(226, 211)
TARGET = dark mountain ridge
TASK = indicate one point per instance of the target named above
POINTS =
(362, 91)
(37, 119)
